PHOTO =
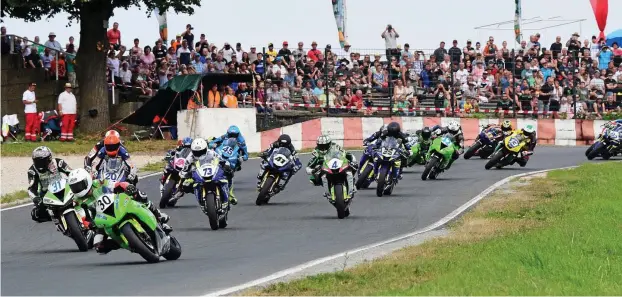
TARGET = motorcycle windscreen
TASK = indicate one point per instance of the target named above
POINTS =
(391, 143)
(113, 170)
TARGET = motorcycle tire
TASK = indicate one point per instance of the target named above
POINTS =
(137, 245)
(210, 207)
(495, 160)
(472, 150)
(428, 167)
(73, 226)
(340, 203)
(589, 149)
(381, 182)
(167, 193)
(174, 251)
(264, 192)
(596, 151)
(363, 180)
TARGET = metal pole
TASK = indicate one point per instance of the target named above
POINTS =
(326, 80)
(112, 88)
(56, 59)
(514, 76)
(574, 96)
(265, 83)
(390, 84)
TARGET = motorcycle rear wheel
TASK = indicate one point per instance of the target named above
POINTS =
(175, 250)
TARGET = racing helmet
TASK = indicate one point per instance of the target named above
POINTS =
(529, 130)
(112, 132)
(112, 144)
(198, 147)
(233, 131)
(453, 127)
(323, 143)
(426, 132)
(393, 129)
(80, 182)
(41, 158)
(186, 142)
(284, 140)
(506, 126)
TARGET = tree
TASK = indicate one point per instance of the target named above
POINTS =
(93, 16)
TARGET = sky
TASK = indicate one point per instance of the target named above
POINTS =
(423, 26)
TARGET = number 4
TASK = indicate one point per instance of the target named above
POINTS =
(335, 166)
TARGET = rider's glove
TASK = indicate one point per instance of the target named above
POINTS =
(37, 200)
(88, 168)
(131, 190)
(365, 143)
(131, 177)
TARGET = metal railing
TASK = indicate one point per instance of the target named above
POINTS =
(14, 38)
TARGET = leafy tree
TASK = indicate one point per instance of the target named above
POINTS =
(93, 16)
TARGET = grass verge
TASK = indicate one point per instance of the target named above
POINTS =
(83, 146)
(558, 235)
(12, 197)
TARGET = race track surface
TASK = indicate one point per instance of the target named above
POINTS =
(299, 225)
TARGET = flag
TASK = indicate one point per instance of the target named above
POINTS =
(517, 20)
(601, 9)
(161, 17)
(339, 10)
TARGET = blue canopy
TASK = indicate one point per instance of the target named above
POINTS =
(615, 36)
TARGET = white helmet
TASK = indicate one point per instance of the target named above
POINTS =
(453, 126)
(80, 182)
(198, 147)
(112, 132)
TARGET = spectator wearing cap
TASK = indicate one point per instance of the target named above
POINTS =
(271, 53)
(53, 44)
(455, 53)
(278, 66)
(314, 52)
(285, 53)
(114, 36)
(67, 109)
(30, 110)
(188, 35)
(440, 52)
(574, 45)
(345, 54)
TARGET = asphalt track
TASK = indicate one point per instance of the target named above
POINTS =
(298, 226)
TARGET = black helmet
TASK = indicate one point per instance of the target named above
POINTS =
(426, 133)
(393, 129)
(284, 140)
(41, 158)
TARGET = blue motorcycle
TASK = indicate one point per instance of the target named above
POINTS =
(229, 150)
(366, 173)
(279, 164)
(484, 144)
(387, 162)
(607, 145)
(211, 188)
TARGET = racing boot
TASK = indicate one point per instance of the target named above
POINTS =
(260, 174)
(351, 187)
(284, 180)
(232, 198)
(102, 245)
(326, 188)
(161, 217)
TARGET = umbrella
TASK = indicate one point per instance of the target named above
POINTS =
(615, 36)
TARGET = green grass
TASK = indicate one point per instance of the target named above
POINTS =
(559, 235)
(83, 146)
(152, 166)
(12, 197)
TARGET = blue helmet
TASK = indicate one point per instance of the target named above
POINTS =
(233, 131)
(187, 141)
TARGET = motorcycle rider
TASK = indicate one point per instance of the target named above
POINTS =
(323, 145)
(455, 130)
(113, 149)
(376, 136)
(529, 132)
(199, 149)
(394, 130)
(84, 188)
(168, 169)
(425, 138)
(44, 170)
(88, 160)
(283, 141)
(232, 132)
(505, 127)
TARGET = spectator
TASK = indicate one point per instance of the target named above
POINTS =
(390, 41)
(544, 97)
(198, 65)
(455, 53)
(285, 53)
(159, 51)
(252, 56)
(213, 97)
(5, 43)
(314, 53)
(53, 44)
(114, 36)
(308, 96)
(604, 57)
(70, 64)
(126, 74)
(113, 64)
(611, 105)
(71, 40)
(594, 47)
(147, 57)
(136, 50)
(356, 101)
(47, 58)
(258, 65)
(556, 47)
(271, 53)
(243, 93)
(188, 36)
(440, 52)
(176, 43)
(201, 44)
(239, 52)
(183, 53)
(58, 66)
(229, 100)
(67, 109)
(34, 60)
(32, 120)
(276, 99)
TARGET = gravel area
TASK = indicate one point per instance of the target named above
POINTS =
(14, 169)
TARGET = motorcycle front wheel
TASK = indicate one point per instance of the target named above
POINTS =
(137, 245)
(167, 192)
(495, 160)
(73, 225)
(363, 180)
(264, 192)
(381, 182)
(472, 150)
(340, 203)
(209, 202)
(428, 167)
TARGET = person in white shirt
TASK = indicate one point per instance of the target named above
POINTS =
(32, 119)
(67, 109)
(390, 41)
(53, 44)
(461, 74)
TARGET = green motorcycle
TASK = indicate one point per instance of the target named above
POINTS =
(68, 218)
(439, 155)
(418, 153)
(335, 168)
(134, 227)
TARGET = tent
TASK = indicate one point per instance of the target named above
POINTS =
(167, 102)
(615, 36)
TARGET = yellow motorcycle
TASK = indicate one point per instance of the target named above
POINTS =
(509, 151)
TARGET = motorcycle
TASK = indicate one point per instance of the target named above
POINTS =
(134, 227)
(507, 152)
(114, 170)
(69, 219)
(418, 153)
(386, 160)
(173, 190)
(484, 144)
(278, 163)
(366, 172)
(207, 176)
(607, 145)
(335, 167)
(229, 150)
(439, 155)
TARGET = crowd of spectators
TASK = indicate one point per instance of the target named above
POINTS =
(532, 77)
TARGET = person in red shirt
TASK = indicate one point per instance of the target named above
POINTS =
(357, 100)
(114, 36)
(314, 53)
